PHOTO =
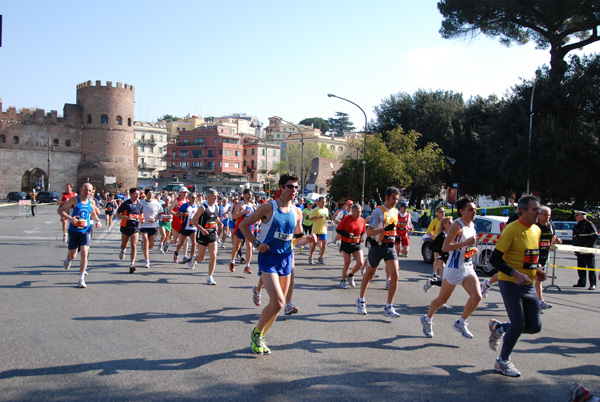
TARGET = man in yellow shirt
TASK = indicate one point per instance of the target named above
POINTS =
(432, 231)
(319, 216)
(517, 258)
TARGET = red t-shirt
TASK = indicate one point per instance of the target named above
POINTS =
(355, 227)
(66, 196)
(404, 224)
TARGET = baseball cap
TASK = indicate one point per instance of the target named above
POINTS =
(577, 212)
(349, 202)
(183, 190)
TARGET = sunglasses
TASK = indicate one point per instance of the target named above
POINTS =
(291, 186)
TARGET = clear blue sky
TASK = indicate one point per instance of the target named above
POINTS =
(263, 58)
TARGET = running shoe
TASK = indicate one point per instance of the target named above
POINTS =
(247, 270)
(310, 261)
(290, 309)
(427, 327)
(544, 305)
(342, 284)
(65, 238)
(82, 283)
(185, 259)
(266, 349)
(222, 245)
(122, 255)
(351, 281)
(192, 264)
(67, 263)
(161, 248)
(301, 249)
(361, 307)
(376, 275)
(166, 247)
(321, 261)
(434, 276)
(176, 257)
(444, 305)
(427, 285)
(242, 260)
(496, 334)
(256, 296)
(257, 342)
(390, 312)
(131, 269)
(210, 280)
(463, 329)
(579, 393)
(403, 255)
(387, 283)
(147, 264)
(506, 368)
(362, 270)
(231, 266)
(485, 287)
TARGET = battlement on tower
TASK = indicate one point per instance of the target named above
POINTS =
(109, 84)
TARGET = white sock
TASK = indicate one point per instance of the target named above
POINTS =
(428, 320)
(388, 305)
(82, 275)
(461, 320)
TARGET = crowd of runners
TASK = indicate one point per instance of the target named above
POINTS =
(278, 229)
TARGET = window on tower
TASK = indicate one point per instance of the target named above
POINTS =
(119, 121)
(89, 119)
(104, 119)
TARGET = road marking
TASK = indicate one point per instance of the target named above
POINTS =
(34, 230)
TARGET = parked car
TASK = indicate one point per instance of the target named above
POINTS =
(47, 196)
(564, 230)
(16, 196)
(488, 230)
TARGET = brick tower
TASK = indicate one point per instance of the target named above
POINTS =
(107, 142)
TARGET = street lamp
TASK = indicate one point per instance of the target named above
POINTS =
(362, 198)
(302, 151)
(537, 75)
(452, 163)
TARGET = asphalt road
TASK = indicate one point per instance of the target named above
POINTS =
(162, 334)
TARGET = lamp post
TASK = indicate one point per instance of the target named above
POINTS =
(302, 150)
(362, 197)
(537, 75)
(452, 163)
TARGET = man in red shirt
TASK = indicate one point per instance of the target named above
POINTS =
(65, 197)
(351, 228)
(402, 230)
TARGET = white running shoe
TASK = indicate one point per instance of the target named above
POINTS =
(343, 284)
(544, 305)
(290, 309)
(351, 281)
(210, 280)
(147, 264)
(427, 285)
(65, 238)
(495, 334)
(256, 296)
(427, 327)
(310, 261)
(387, 283)
(122, 255)
(82, 283)
(362, 270)
(361, 307)
(67, 263)
(192, 264)
(485, 287)
(390, 312)
(506, 368)
(463, 329)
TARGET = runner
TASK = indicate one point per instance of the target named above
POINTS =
(224, 208)
(177, 221)
(461, 245)
(109, 210)
(152, 210)
(241, 210)
(381, 235)
(516, 257)
(436, 245)
(130, 213)
(319, 216)
(351, 229)
(188, 230)
(282, 222)
(432, 230)
(403, 229)
(206, 220)
(339, 215)
(164, 225)
(307, 224)
(79, 227)
(66, 196)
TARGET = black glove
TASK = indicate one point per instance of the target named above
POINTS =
(389, 227)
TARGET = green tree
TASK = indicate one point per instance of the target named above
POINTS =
(317, 122)
(560, 25)
(340, 124)
(168, 117)
(293, 158)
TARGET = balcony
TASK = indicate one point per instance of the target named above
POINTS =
(151, 142)
(145, 166)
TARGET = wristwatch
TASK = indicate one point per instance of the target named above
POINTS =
(256, 243)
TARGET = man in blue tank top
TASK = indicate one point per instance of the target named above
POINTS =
(80, 226)
(281, 222)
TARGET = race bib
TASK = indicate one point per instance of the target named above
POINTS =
(531, 258)
(283, 236)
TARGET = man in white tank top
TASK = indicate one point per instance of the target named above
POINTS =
(461, 244)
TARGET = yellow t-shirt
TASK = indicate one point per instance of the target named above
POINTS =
(319, 225)
(433, 226)
(520, 244)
